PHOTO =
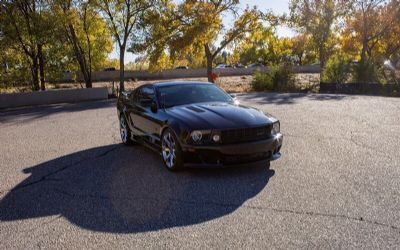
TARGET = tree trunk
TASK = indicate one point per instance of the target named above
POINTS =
(362, 69)
(41, 67)
(364, 51)
(121, 68)
(210, 70)
(322, 57)
(301, 58)
(88, 80)
(80, 57)
(35, 74)
(209, 63)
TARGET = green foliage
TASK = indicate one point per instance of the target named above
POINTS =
(318, 19)
(278, 78)
(193, 27)
(262, 45)
(366, 72)
(27, 26)
(14, 69)
(262, 81)
(48, 25)
(337, 69)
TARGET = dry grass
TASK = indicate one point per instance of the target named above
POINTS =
(231, 84)
(49, 86)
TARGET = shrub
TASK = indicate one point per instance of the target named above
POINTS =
(262, 81)
(283, 77)
(337, 69)
(366, 72)
(278, 78)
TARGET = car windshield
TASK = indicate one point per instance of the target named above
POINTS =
(177, 95)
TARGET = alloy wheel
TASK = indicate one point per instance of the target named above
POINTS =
(123, 130)
(169, 150)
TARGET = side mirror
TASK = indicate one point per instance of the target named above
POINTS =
(233, 96)
(154, 107)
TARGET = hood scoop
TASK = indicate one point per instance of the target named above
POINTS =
(195, 109)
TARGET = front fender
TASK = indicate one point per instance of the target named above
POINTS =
(180, 129)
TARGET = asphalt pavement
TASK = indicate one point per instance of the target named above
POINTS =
(66, 181)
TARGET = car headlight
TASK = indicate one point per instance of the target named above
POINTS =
(276, 128)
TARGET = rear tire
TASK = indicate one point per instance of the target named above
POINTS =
(124, 131)
(171, 151)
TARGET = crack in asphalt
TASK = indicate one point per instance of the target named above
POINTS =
(362, 145)
(230, 205)
(46, 176)
(359, 219)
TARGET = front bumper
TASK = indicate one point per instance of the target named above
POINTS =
(234, 154)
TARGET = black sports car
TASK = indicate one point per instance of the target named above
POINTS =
(197, 124)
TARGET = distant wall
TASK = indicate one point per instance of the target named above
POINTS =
(101, 76)
(52, 97)
(360, 88)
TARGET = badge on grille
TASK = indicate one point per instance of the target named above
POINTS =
(197, 136)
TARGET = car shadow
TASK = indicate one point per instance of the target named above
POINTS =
(290, 98)
(122, 189)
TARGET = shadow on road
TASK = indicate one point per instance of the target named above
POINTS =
(32, 113)
(126, 190)
(289, 98)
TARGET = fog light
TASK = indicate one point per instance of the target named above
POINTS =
(216, 138)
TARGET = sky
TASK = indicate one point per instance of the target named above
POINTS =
(277, 6)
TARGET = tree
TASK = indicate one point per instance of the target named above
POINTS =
(86, 33)
(244, 24)
(194, 27)
(14, 68)
(254, 48)
(123, 17)
(371, 34)
(391, 41)
(317, 19)
(302, 49)
(28, 24)
(264, 46)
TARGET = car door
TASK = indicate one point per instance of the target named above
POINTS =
(144, 120)
(127, 104)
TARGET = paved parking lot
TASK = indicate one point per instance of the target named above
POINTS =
(67, 182)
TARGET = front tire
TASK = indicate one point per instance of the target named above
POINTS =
(171, 151)
(124, 131)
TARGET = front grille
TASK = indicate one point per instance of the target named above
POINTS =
(233, 136)
(240, 159)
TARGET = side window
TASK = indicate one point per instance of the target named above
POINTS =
(146, 96)
(135, 96)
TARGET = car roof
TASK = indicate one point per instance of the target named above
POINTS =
(174, 83)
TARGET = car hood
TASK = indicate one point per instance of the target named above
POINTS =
(219, 116)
